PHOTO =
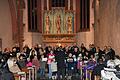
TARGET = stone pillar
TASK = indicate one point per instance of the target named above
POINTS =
(47, 4)
(68, 4)
(20, 6)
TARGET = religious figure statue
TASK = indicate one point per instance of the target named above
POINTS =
(69, 24)
(47, 22)
(58, 23)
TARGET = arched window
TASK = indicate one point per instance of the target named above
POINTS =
(84, 15)
(32, 16)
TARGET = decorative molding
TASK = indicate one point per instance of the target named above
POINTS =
(59, 38)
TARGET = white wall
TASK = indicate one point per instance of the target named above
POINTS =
(87, 37)
(5, 24)
(107, 30)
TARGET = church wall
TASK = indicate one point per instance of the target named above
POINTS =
(87, 37)
(81, 37)
(30, 38)
(107, 25)
(5, 24)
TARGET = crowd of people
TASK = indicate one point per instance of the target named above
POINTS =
(59, 61)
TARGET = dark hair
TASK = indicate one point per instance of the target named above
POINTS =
(100, 60)
(117, 56)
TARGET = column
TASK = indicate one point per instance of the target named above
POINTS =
(68, 4)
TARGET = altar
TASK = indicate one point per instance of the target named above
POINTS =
(58, 27)
(59, 39)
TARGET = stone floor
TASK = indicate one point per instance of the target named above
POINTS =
(73, 77)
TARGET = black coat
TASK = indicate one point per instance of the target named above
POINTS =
(98, 68)
(111, 53)
(60, 58)
(5, 74)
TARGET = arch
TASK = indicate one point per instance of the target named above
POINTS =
(16, 10)
(13, 19)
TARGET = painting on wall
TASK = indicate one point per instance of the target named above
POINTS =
(58, 21)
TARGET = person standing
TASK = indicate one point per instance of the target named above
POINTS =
(42, 65)
(60, 59)
(70, 64)
(51, 58)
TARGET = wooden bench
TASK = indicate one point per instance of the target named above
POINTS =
(30, 73)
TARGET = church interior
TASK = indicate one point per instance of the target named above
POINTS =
(59, 40)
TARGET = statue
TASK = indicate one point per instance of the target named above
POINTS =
(58, 23)
(47, 22)
(69, 24)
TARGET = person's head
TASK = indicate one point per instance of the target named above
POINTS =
(105, 47)
(70, 55)
(39, 45)
(14, 50)
(75, 44)
(82, 45)
(109, 47)
(33, 52)
(41, 50)
(86, 53)
(51, 51)
(100, 61)
(92, 45)
(20, 57)
(28, 59)
(80, 57)
(75, 49)
(24, 49)
(66, 48)
(97, 49)
(49, 48)
(91, 56)
(42, 56)
(7, 50)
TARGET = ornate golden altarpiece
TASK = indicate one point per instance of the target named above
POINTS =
(58, 27)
